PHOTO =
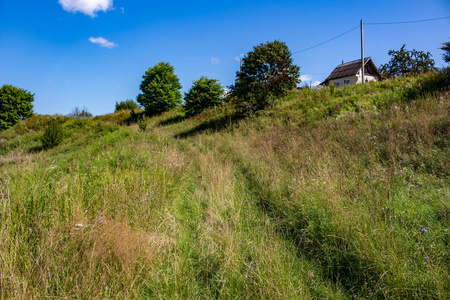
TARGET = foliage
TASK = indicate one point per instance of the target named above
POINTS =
(319, 197)
(53, 134)
(127, 104)
(204, 93)
(446, 48)
(405, 62)
(160, 89)
(142, 122)
(15, 105)
(267, 73)
(80, 113)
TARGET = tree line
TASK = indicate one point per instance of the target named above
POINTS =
(266, 74)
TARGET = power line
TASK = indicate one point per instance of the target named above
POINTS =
(405, 22)
(326, 40)
(386, 23)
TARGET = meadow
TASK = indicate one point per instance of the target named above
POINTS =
(327, 194)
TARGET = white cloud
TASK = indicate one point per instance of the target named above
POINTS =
(87, 7)
(50, 81)
(238, 58)
(305, 77)
(215, 61)
(123, 10)
(102, 42)
(315, 83)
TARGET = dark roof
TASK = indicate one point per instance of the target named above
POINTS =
(350, 69)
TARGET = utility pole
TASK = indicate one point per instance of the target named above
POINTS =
(362, 52)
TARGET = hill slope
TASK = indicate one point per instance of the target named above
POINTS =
(334, 193)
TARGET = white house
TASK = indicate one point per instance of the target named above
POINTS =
(350, 73)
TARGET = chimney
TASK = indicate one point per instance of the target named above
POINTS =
(342, 62)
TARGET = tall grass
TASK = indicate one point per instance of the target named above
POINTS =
(326, 195)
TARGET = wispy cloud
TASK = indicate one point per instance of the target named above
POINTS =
(87, 7)
(215, 61)
(305, 77)
(238, 58)
(102, 42)
(122, 10)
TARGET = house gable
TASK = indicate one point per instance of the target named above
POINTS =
(353, 69)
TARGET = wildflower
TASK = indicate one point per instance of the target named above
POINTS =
(246, 214)
(97, 212)
(426, 257)
(424, 230)
(100, 221)
(140, 178)
(30, 228)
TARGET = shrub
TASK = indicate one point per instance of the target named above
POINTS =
(143, 122)
(203, 94)
(80, 113)
(53, 134)
(127, 104)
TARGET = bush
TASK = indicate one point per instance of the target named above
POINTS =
(80, 113)
(204, 93)
(53, 134)
(143, 122)
(127, 104)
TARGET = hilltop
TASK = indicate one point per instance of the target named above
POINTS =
(332, 193)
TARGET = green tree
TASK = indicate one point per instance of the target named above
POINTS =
(446, 48)
(127, 104)
(203, 94)
(160, 89)
(267, 73)
(405, 62)
(15, 105)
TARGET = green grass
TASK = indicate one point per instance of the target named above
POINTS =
(325, 195)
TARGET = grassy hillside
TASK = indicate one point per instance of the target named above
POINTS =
(329, 194)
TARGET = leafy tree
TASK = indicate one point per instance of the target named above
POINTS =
(405, 62)
(446, 48)
(203, 94)
(160, 89)
(80, 113)
(267, 73)
(127, 104)
(15, 105)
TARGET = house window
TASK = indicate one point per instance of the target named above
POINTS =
(337, 83)
(346, 81)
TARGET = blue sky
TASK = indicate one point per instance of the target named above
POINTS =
(94, 52)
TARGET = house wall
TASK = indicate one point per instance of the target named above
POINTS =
(353, 79)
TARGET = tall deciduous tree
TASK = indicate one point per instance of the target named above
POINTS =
(15, 105)
(446, 48)
(160, 89)
(404, 62)
(267, 73)
(203, 94)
